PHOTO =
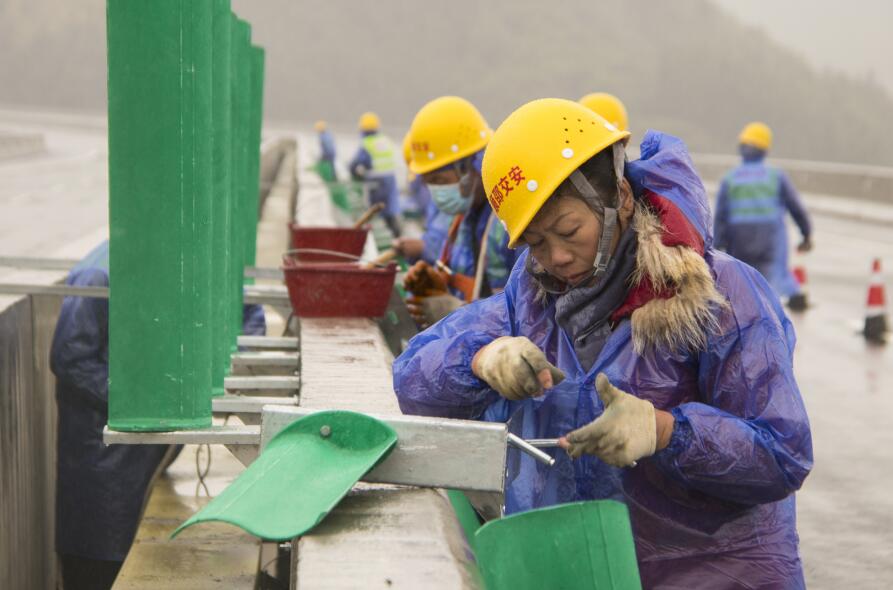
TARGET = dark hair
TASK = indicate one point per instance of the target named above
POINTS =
(599, 171)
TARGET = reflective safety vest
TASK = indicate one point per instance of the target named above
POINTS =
(754, 195)
(382, 152)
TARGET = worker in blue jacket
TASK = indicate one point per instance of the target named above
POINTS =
(100, 490)
(326, 151)
(448, 136)
(663, 366)
(375, 164)
(751, 209)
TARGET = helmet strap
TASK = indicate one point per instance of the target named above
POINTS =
(609, 222)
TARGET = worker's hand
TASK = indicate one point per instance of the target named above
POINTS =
(805, 245)
(423, 281)
(409, 247)
(427, 311)
(623, 434)
(515, 368)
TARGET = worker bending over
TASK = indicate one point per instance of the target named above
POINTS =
(663, 365)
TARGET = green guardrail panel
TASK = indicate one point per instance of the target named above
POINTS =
(579, 546)
(159, 130)
(301, 475)
(221, 200)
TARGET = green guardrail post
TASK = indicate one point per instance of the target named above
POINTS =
(159, 121)
(221, 199)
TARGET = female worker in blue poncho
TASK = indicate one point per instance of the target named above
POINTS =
(664, 366)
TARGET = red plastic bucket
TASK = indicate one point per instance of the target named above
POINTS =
(336, 289)
(338, 239)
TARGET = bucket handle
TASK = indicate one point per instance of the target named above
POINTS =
(351, 257)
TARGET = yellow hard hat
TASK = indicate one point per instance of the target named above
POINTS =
(756, 134)
(320, 125)
(444, 131)
(407, 148)
(534, 150)
(609, 107)
(369, 122)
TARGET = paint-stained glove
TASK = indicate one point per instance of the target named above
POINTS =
(515, 368)
(624, 433)
(423, 281)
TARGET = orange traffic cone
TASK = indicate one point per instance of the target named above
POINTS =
(798, 301)
(876, 312)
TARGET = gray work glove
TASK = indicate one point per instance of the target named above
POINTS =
(516, 368)
(437, 307)
(623, 434)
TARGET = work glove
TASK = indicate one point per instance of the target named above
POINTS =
(424, 281)
(623, 434)
(516, 368)
(805, 245)
(427, 311)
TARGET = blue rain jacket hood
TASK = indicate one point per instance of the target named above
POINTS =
(716, 507)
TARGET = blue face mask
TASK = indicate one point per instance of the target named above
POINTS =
(448, 198)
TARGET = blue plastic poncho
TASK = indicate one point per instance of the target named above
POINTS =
(100, 489)
(716, 507)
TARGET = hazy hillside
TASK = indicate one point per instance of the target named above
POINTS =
(684, 66)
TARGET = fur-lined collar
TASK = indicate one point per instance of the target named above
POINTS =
(673, 301)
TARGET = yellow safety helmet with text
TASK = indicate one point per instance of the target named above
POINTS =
(444, 131)
(320, 126)
(608, 106)
(757, 135)
(534, 150)
(369, 122)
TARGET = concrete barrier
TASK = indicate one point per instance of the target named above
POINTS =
(867, 183)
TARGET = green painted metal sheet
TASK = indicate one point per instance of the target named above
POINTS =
(580, 546)
(255, 124)
(301, 475)
(221, 199)
(241, 41)
(159, 120)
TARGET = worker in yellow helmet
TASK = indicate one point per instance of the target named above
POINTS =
(661, 365)
(447, 140)
(375, 164)
(751, 207)
(326, 163)
(609, 107)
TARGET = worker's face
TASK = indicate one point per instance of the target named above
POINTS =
(563, 237)
(447, 175)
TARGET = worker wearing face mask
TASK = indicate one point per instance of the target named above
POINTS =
(447, 139)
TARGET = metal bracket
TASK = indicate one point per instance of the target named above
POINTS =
(249, 383)
(430, 452)
(269, 359)
(248, 404)
(267, 295)
(268, 342)
(230, 434)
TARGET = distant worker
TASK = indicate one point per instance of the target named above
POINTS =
(448, 137)
(375, 163)
(750, 214)
(609, 107)
(326, 152)
(100, 490)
